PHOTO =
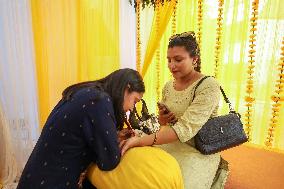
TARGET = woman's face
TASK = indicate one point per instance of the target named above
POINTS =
(130, 99)
(180, 62)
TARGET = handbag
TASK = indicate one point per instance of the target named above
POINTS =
(220, 133)
(148, 123)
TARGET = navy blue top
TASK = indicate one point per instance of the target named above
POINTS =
(77, 132)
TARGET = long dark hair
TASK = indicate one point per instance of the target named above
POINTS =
(115, 85)
(187, 40)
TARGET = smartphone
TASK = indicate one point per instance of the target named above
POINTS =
(163, 106)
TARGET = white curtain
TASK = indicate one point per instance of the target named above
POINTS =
(146, 24)
(127, 29)
(8, 165)
(18, 93)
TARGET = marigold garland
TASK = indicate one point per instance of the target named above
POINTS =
(157, 52)
(138, 40)
(199, 21)
(147, 3)
(249, 87)
(218, 37)
(277, 98)
(174, 24)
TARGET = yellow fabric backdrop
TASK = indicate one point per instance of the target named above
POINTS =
(233, 57)
(74, 41)
(156, 34)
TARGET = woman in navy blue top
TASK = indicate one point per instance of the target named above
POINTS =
(82, 128)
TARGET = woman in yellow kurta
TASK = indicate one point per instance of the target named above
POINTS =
(186, 116)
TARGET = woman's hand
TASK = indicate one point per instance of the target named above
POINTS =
(82, 177)
(129, 143)
(124, 134)
(165, 118)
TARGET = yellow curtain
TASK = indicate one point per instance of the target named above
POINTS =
(74, 41)
(98, 35)
(155, 36)
(233, 57)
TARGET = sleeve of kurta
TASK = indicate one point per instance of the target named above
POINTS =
(101, 135)
(199, 111)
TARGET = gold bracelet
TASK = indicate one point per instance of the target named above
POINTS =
(155, 138)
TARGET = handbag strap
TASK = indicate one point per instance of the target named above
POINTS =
(144, 111)
(223, 93)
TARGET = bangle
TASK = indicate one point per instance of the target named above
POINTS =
(155, 138)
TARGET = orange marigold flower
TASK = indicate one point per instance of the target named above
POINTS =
(249, 91)
(274, 120)
(267, 143)
(249, 99)
(276, 109)
(251, 67)
(253, 29)
(250, 71)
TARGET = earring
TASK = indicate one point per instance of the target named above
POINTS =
(195, 63)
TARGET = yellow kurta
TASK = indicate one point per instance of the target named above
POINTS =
(198, 170)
